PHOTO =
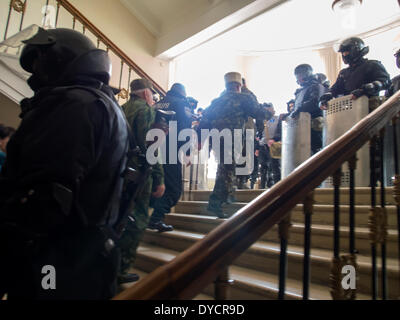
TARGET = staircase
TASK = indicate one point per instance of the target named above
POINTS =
(255, 273)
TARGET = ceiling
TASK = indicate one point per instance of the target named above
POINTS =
(290, 25)
(301, 24)
(159, 16)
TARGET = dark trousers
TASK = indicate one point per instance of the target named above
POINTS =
(173, 191)
(316, 141)
(270, 171)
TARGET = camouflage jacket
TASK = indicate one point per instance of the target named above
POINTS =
(141, 117)
(231, 111)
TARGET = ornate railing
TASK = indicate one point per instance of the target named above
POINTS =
(208, 260)
(61, 13)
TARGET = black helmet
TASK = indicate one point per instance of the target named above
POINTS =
(179, 89)
(56, 54)
(356, 49)
(303, 73)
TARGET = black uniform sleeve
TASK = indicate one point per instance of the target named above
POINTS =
(311, 102)
(338, 87)
(379, 73)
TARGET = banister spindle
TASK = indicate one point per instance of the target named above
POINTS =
(45, 14)
(22, 15)
(308, 211)
(73, 22)
(8, 19)
(284, 227)
(129, 80)
(352, 258)
(191, 181)
(335, 276)
(120, 77)
(222, 285)
(383, 222)
(396, 183)
(19, 6)
(374, 217)
(57, 14)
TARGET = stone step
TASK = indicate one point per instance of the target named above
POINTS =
(264, 256)
(321, 235)
(248, 284)
(322, 195)
(322, 215)
(143, 274)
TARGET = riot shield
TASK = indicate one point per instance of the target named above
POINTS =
(342, 114)
(296, 142)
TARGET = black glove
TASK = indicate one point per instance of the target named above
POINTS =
(294, 114)
(358, 93)
(323, 100)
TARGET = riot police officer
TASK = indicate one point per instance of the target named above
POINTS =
(61, 182)
(307, 99)
(396, 80)
(362, 77)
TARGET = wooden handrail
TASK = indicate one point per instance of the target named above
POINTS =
(110, 44)
(192, 270)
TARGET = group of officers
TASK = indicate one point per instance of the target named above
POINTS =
(76, 189)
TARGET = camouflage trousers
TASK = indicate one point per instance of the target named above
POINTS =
(224, 184)
(135, 228)
(225, 179)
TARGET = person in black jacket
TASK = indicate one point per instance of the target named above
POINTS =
(61, 182)
(307, 100)
(362, 77)
(396, 80)
(175, 100)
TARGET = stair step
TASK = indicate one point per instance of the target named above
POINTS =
(142, 274)
(322, 213)
(264, 256)
(248, 284)
(321, 235)
(321, 195)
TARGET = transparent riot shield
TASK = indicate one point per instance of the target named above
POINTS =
(296, 142)
(342, 114)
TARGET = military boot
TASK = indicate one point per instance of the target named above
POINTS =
(217, 210)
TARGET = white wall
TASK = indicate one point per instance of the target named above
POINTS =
(117, 23)
(112, 18)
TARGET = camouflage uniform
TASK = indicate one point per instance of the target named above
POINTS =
(141, 117)
(230, 111)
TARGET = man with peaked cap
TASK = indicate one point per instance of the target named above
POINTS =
(141, 117)
(229, 111)
(61, 183)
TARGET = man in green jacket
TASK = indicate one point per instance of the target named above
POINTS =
(141, 117)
